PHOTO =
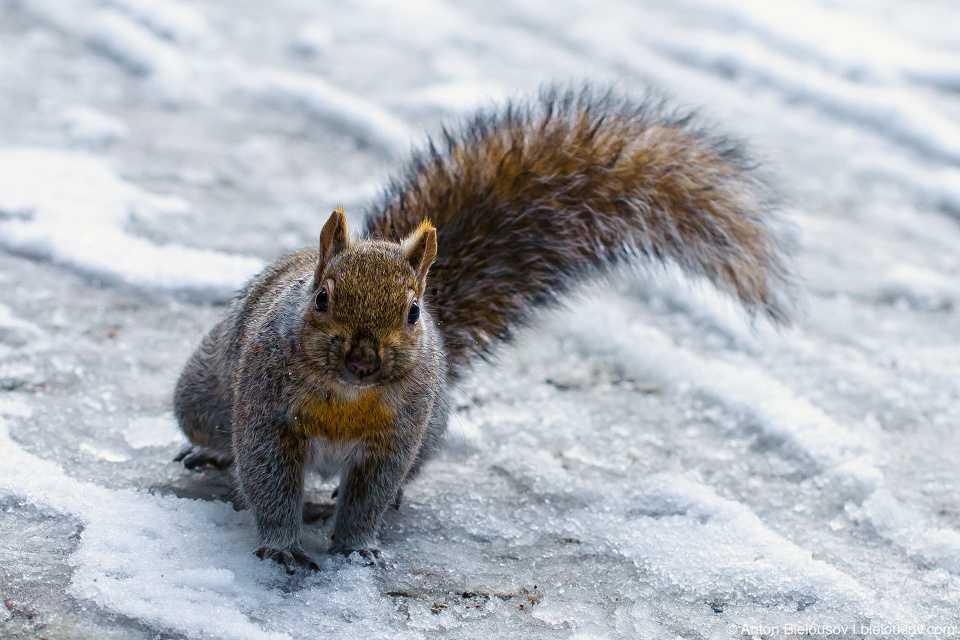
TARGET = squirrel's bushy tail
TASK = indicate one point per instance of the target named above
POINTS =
(533, 198)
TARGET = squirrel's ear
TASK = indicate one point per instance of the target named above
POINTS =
(420, 247)
(334, 238)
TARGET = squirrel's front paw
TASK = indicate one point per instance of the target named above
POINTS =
(369, 557)
(290, 558)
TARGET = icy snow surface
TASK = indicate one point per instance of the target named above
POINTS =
(645, 463)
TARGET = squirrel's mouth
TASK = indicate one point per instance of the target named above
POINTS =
(353, 381)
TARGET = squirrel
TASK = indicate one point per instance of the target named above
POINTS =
(338, 358)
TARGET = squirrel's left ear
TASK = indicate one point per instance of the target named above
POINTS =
(420, 247)
(334, 238)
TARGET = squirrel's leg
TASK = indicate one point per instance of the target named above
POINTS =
(367, 488)
(270, 462)
(270, 469)
(202, 404)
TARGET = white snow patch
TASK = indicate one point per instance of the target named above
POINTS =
(897, 113)
(104, 453)
(851, 44)
(717, 549)
(910, 529)
(313, 39)
(8, 320)
(459, 97)
(120, 37)
(940, 185)
(71, 208)
(92, 127)
(169, 19)
(152, 431)
(922, 287)
(636, 41)
(15, 407)
(704, 302)
(322, 100)
(23, 372)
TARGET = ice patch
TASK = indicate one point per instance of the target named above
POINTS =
(152, 431)
(72, 208)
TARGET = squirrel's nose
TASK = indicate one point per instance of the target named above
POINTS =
(363, 361)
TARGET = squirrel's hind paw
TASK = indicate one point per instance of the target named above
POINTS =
(290, 558)
(194, 456)
(367, 557)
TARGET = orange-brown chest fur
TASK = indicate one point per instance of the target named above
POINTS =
(339, 419)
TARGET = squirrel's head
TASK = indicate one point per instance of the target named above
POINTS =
(365, 322)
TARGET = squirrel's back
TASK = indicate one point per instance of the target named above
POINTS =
(531, 199)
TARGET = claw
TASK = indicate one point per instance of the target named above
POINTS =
(368, 557)
(195, 456)
(290, 558)
(304, 560)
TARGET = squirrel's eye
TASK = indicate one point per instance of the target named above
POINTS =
(321, 301)
(414, 313)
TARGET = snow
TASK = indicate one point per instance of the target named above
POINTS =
(153, 431)
(853, 45)
(176, 21)
(313, 39)
(88, 126)
(72, 208)
(138, 38)
(327, 102)
(891, 110)
(648, 461)
(758, 398)
(458, 97)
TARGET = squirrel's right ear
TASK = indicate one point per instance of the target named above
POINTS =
(334, 238)
(420, 247)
